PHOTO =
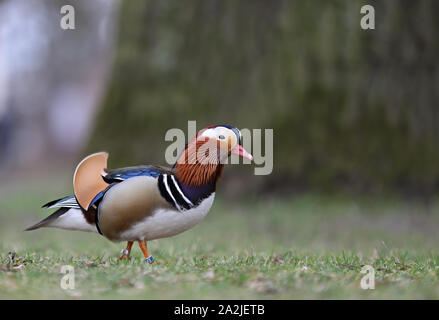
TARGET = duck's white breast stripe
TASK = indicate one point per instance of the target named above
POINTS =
(181, 192)
(165, 181)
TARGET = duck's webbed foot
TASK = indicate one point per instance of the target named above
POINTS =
(126, 252)
(148, 257)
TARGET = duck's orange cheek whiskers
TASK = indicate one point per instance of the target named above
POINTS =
(241, 152)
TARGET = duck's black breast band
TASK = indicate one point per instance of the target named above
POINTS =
(171, 191)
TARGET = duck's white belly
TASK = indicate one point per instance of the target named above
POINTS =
(168, 222)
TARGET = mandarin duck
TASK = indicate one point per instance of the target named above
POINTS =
(146, 202)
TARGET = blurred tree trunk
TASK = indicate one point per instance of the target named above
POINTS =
(348, 107)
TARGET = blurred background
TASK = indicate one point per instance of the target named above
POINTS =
(355, 115)
(352, 109)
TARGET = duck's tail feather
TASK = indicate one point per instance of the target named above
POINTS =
(66, 202)
(45, 222)
(69, 216)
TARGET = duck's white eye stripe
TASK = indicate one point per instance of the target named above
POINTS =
(209, 133)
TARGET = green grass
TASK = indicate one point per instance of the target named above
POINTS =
(303, 247)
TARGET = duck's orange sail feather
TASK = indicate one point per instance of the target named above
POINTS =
(87, 179)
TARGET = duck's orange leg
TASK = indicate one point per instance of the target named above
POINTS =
(126, 252)
(144, 248)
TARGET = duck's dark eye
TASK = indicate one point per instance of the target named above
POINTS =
(221, 137)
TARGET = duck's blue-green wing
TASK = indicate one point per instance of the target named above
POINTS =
(118, 175)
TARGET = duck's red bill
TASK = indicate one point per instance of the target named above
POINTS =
(240, 151)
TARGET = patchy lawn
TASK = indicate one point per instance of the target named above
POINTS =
(304, 247)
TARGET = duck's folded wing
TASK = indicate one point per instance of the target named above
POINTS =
(118, 175)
